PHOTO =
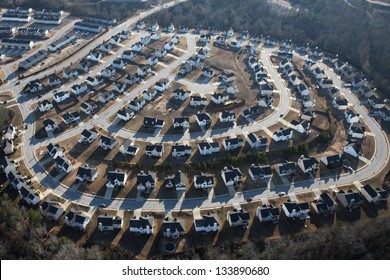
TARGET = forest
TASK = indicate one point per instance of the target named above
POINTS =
(359, 35)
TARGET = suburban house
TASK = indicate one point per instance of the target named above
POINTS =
(384, 114)
(228, 77)
(70, 117)
(140, 25)
(29, 195)
(366, 92)
(144, 71)
(129, 54)
(353, 147)
(109, 72)
(54, 150)
(340, 103)
(172, 228)
(116, 178)
(303, 89)
(142, 225)
(183, 123)
(307, 114)
(54, 80)
(63, 164)
(197, 101)
(120, 87)
(60, 96)
(181, 94)
(284, 134)
(107, 143)
(374, 195)
(94, 81)
(203, 119)
(128, 148)
(294, 210)
(356, 130)
(50, 125)
(145, 181)
(79, 89)
(318, 73)
(153, 123)
(169, 46)
(203, 181)
(227, 117)
(325, 83)
(260, 172)
(231, 176)
(177, 181)
(207, 223)
(266, 90)
(268, 213)
(232, 143)
(10, 132)
(185, 68)
(106, 96)
(95, 55)
(87, 173)
(265, 101)
(88, 136)
(8, 146)
(154, 150)
(181, 150)
(208, 72)
(137, 104)
(152, 60)
(51, 210)
(256, 142)
(375, 102)
(252, 112)
(162, 85)
(333, 161)
(357, 82)
(324, 205)
(125, 114)
(220, 98)
(109, 223)
(309, 165)
(286, 168)
(238, 218)
(70, 73)
(302, 127)
(77, 219)
(149, 94)
(208, 147)
(350, 200)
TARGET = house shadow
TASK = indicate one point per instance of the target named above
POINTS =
(78, 149)
(203, 80)
(98, 155)
(190, 110)
(134, 242)
(345, 216)
(228, 233)
(260, 230)
(70, 233)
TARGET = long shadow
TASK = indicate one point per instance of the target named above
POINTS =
(259, 230)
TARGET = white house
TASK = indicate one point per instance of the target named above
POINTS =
(183, 123)
(208, 72)
(87, 173)
(203, 181)
(55, 150)
(51, 210)
(88, 136)
(116, 179)
(267, 213)
(203, 119)
(231, 176)
(284, 134)
(220, 98)
(63, 164)
(87, 107)
(181, 94)
(350, 200)
(351, 117)
(340, 103)
(79, 89)
(303, 90)
(145, 181)
(109, 223)
(149, 94)
(259, 172)
(50, 125)
(324, 205)
(70, 117)
(295, 210)
(227, 117)
(181, 150)
(125, 114)
(302, 127)
(375, 102)
(8, 146)
(137, 104)
(374, 195)
(77, 220)
(232, 143)
(308, 164)
(106, 96)
(353, 148)
(207, 223)
(356, 130)
(128, 148)
(60, 96)
(197, 101)
(162, 85)
(10, 132)
(107, 143)
(142, 225)
(109, 72)
(208, 147)
(256, 142)
(154, 150)
(238, 218)
(286, 168)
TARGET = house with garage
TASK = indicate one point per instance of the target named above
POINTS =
(172, 228)
(208, 72)
(208, 223)
(376, 102)
(77, 220)
(350, 200)
(353, 147)
(125, 114)
(106, 96)
(203, 181)
(228, 77)
(160, 53)
(144, 42)
(232, 143)
(33, 87)
(183, 123)
(109, 223)
(357, 82)
(220, 98)
(181, 150)
(307, 114)
(162, 85)
(384, 114)
(208, 147)
(268, 213)
(325, 83)
(94, 81)
(105, 47)
(283, 134)
(308, 102)
(152, 60)
(144, 71)
(265, 101)
(10, 132)
(87, 173)
(294, 80)
(140, 25)
(95, 55)
(302, 127)
(256, 142)
(54, 80)
(333, 161)
(333, 92)
(63, 164)
(220, 40)
(79, 89)
(366, 92)
(177, 181)
(303, 89)
(87, 108)
(324, 205)
(203, 119)
(293, 210)
(227, 117)
(238, 217)
(50, 125)
(340, 103)
(107, 143)
(128, 148)
(267, 90)
(142, 225)
(259, 172)
(137, 47)
(145, 181)
(71, 117)
(308, 164)
(351, 117)
(129, 54)
(252, 112)
(169, 46)
(29, 195)
(231, 176)
(154, 150)
(109, 72)
(185, 69)
(203, 53)
(8, 146)
(60, 96)
(137, 104)
(51, 210)
(84, 65)
(373, 195)
(318, 73)
(70, 73)
(181, 94)
(356, 130)
(197, 101)
(120, 87)
(153, 123)
(286, 168)
(55, 150)
(116, 179)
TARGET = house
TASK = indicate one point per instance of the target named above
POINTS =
(153, 123)
(154, 150)
(238, 218)
(268, 213)
(252, 112)
(30, 196)
(140, 25)
(61, 43)
(70, 73)
(309, 65)
(356, 130)
(366, 92)
(152, 60)
(303, 90)
(84, 65)
(155, 36)
(95, 55)
(256, 142)
(309, 165)
(172, 228)
(235, 45)
(208, 148)
(8, 146)
(286, 168)
(307, 114)
(340, 103)
(384, 114)
(70, 117)
(181, 150)
(60, 96)
(350, 200)
(203, 119)
(185, 68)
(79, 89)
(203, 181)
(375, 196)
(346, 71)
(116, 178)
(294, 80)
(207, 223)
(128, 148)
(109, 72)
(142, 225)
(353, 148)
(54, 80)
(357, 82)
(115, 40)
(125, 114)
(55, 150)
(87, 173)
(270, 41)
(203, 53)
(183, 123)
(375, 102)
(88, 136)
(169, 46)
(105, 47)
(50, 125)
(220, 98)
(138, 47)
(77, 219)
(33, 87)
(10, 132)
(160, 53)
(154, 28)
(324, 205)
(178, 181)
(129, 54)
(325, 83)
(284, 134)
(333, 92)
(94, 81)
(144, 41)
(132, 79)
(137, 104)
(302, 127)
(231, 176)
(316, 52)
(258, 172)
(51, 210)
(63, 164)
(106, 96)
(149, 94)
(109, 223)
(197, 101)
(294, 210)
(331, 58)
(333, 161)
(220, 40)
(265, 101)
(145, 181)
(107, 143)
(318, 73)
(120, 87)
(144, 71)
(162, 85)
(227, 77)
(183, 29)
(351, 117)
(205, 38)
(228, 117)
(181, 94)
(232, 143)
(308, 102)
(87, 107)
(208, 72)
